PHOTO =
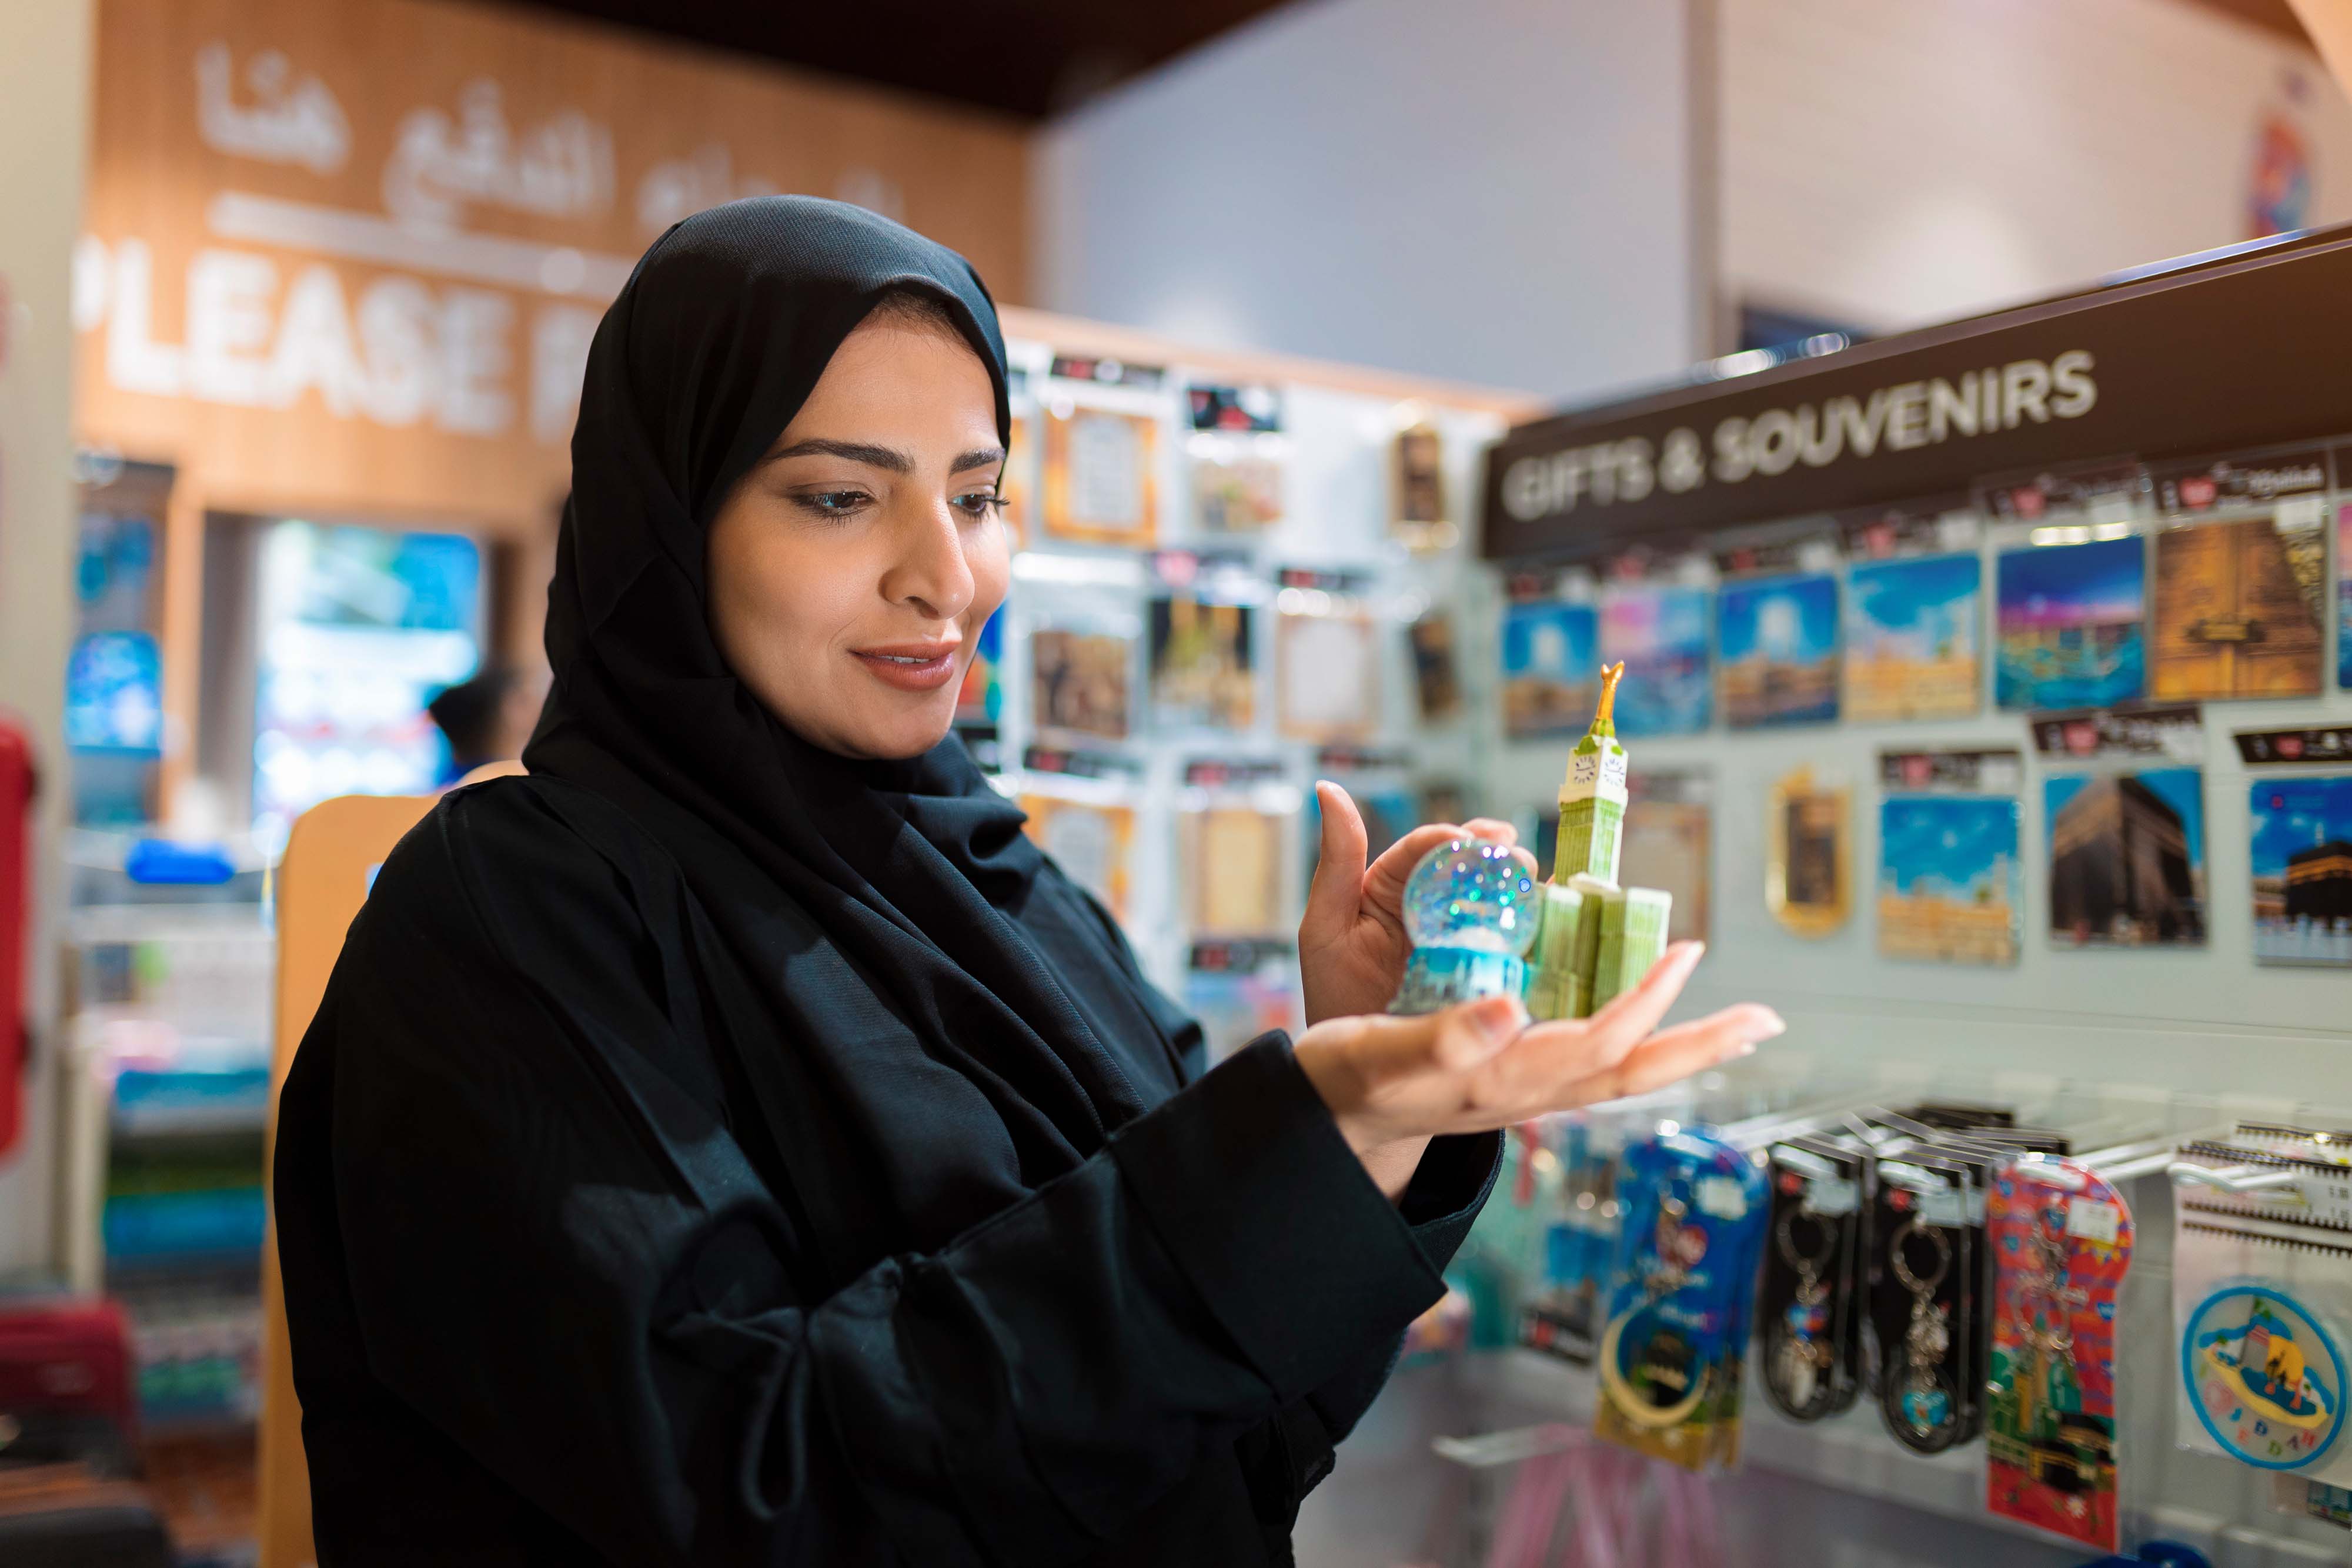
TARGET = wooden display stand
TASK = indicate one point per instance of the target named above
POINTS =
(331, 857)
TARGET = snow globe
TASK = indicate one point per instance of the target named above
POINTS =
(1471, 908)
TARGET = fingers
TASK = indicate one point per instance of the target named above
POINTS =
(1630, 1016)
(1677, 1053)
(1333, 895)
(1492, 829)
(1385, 1077)
(1455, 1038)
(1550, 1056)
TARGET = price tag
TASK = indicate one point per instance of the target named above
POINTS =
(1721, 1196)
(2093, 1220)
(1832, 1195)
(1943, 1207)
(2301, 513)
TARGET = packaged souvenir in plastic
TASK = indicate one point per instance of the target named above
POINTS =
(1809, 1297)
(2061, 1238)
(1922, 1298)
(1682, 1288)
(2263, 1303)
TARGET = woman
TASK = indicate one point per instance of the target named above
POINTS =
(733, 1143)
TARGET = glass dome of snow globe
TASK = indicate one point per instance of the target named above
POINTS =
(1472, 895)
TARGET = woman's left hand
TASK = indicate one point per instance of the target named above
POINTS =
(1352, 942)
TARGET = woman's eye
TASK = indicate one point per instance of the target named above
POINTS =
(834, 503)
(979, 503)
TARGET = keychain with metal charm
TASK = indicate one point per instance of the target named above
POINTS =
(2048, 1319)
(1669, 1362)
(1800, 1356)
(1915, 1390)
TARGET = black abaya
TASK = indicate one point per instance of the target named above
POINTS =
(710, 1150)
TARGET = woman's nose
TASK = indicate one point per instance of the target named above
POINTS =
(930, 573)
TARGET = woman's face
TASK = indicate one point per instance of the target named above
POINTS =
(852, 569)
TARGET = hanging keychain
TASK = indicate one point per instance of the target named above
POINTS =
(1805, 1298)
(1801, 1356)
(1916, 1386)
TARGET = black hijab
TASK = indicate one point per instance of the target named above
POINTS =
(889, 917)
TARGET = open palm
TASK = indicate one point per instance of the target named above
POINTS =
(1351, 941)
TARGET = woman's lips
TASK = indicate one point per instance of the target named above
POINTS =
(911, 666)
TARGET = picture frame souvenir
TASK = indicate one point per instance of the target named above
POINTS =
(1436, 674)
(1327, 674)
(1419, 514)
(1809, 852)
(1232, 864)
(1081, 681)
(1235, 490)
(1092, 842)
(1204, 661)
(1101, 474)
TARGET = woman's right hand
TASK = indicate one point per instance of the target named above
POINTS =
(1482, 1065)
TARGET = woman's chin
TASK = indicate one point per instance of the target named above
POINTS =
(900, 735)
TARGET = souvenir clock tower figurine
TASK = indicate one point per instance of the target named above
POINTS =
(1595, 938)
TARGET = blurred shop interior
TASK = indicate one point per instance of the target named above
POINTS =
(1937, 407)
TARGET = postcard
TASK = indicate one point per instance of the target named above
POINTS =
(1911, 639)
(2127, 858)
(1660, 632)
(2070, 625)
(2303, 869)
(1777, 643)
(2344, 597)
(1551, 669)
(2238, 608)
(1948, 878)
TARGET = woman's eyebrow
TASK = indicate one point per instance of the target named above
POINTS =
(883, 457)
(888, 458)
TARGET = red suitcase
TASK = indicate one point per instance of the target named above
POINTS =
(66, 1361)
